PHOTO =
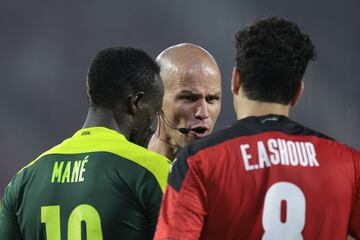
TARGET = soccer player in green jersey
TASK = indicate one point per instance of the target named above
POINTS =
(97, 184)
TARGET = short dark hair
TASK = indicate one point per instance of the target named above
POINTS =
(272, 55)
(117, 70)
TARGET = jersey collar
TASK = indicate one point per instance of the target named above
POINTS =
(98, 131)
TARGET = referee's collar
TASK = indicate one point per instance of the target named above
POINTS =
(96, 131)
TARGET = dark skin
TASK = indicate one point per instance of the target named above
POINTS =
(130, 116)
(110, 118)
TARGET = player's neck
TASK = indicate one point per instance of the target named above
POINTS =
(247, 108)
(101, 117)
(163, 144)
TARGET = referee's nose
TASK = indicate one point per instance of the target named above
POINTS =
(202, 111)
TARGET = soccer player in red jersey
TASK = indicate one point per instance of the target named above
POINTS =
(265, 177)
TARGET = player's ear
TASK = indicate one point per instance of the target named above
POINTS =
(298, 94)
(136, 102)
(235, 81)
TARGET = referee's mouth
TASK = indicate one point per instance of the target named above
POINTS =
(199, 131)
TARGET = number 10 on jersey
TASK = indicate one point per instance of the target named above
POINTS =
(50, 215)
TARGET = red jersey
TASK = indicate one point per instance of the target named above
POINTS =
(263, 178)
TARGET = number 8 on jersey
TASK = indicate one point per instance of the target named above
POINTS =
(292, 227)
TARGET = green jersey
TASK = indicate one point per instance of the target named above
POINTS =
(95, 185)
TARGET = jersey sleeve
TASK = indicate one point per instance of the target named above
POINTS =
(354, 226)
(9, 228)
(183, 208)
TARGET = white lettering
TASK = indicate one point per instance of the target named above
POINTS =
(298, 149)
(274, 157)
(283, 152)
(312, 154)
(279, 152)
(294, 161)
(305, 163)
(246, 157)
(262, 155)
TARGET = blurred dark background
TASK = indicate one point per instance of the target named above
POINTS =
(47, 46)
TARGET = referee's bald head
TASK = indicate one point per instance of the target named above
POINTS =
(182, 60)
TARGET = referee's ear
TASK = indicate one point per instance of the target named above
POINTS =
(235, 81)
(298, 94)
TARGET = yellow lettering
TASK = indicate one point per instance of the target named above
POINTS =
(57, 172)
(66, 174)
(75, 171)
(82, 169)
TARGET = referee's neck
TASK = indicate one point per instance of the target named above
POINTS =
(163, 146)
